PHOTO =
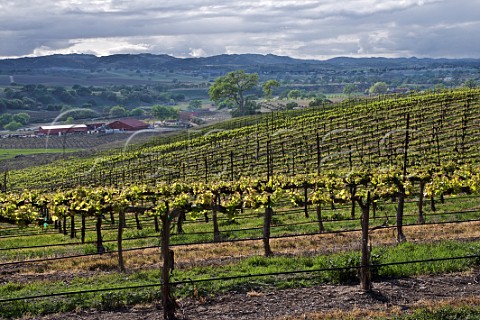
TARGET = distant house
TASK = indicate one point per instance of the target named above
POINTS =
(128, 125)
(62, 129)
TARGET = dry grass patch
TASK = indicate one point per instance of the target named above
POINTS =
(388, 312)
(218, 253)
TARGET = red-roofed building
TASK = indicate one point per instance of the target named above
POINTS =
(128, 125)
(61, 129)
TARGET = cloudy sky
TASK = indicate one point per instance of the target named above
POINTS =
(191, 28)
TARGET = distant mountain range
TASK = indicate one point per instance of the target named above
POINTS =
(251, 62)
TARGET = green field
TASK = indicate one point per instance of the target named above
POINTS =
(12, 153)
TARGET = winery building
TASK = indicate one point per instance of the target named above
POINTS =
(62, 129)
(128, 125)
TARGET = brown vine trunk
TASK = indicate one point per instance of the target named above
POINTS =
(98, 227)
(180, 220)
(112, 218)
(365, 274)
(168, 301)
(319, 218)
(137, 221)
(82, 231)
(72, 226)
(65, 225)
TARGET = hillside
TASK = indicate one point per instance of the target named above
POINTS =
(258, 210)
(158, 62)
(142, 69)
(356, 133)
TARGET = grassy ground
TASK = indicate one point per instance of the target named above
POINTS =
(303, 252)
(255, 265)
(12, 153)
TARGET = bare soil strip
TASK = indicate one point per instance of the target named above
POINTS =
(389, 298)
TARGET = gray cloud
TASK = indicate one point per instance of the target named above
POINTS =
(302, 29)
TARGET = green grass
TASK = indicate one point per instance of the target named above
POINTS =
(444, 313)
(256, 265)
(12, 153)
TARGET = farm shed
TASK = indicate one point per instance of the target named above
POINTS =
(128, 125)
(63, 129)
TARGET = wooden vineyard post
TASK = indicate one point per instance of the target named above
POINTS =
(353, 191)
(216, 230)
(319, 206)
(72, 226)
(319, 154)
(65, 225)
(421, 218)
(168, 301)
(305, 200)
(365, 275)
(82, 231)
(267, 221)
(121, 264)
(98, 227)
(401, 196)
(268, 160)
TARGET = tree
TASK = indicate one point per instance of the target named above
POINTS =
(470, 83)
(83, 91)
(319, 100)
(164, 113)
(291, 105)
(137, 112)
(12, 126)
(118, 111)
(349, 89)
(8, 93)
(232, 87)
(269, 86)
(5, 118)
(195, 104)
(3, 105)
(379, 88)
(22, 118)
(69, 120)
(295, 94)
